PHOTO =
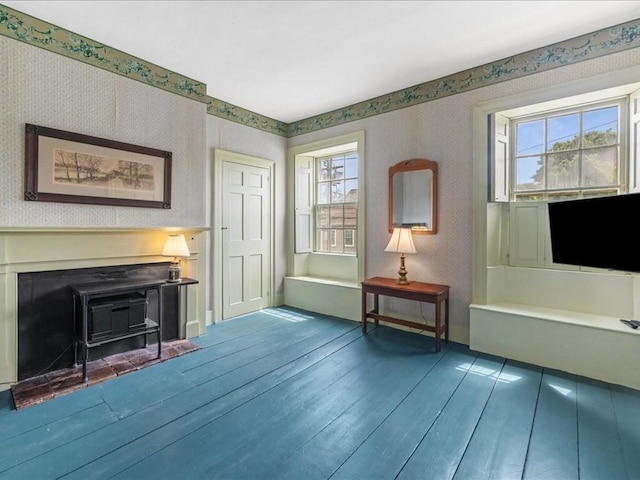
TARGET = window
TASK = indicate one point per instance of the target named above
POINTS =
(325, 208)
(568, 148)
(568, 154)
(336, 204)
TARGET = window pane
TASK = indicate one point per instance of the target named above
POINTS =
(323, 192)
(530, 173)
(530, 138)
(322, 242)
(337, 216)
(600, 127)
(530, 197)
(348, 238)
(562, 132)
(323, 169)
(336, 241)
(351, 166)
(337, 168)
(337, 192)
(601, 193)
(351, 190)
(571, 195)
(600, 167)
(323, 217)
(563, 171)
(350, 242)
(350, 216)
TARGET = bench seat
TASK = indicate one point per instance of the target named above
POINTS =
(594, 346)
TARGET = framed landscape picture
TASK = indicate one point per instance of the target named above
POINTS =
(74, 168)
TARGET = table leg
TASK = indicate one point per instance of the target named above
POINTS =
(375, 307)
(446, 320)
(364, 312)
(437, 332)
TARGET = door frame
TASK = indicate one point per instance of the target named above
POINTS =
(219, 158)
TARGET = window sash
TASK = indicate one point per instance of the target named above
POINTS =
(579, 182)
(336, 207)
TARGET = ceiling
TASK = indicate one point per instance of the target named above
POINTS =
(291, 60)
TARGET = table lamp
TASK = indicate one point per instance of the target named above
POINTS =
(401, 242)
(175, 246)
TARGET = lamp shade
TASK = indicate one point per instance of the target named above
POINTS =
(401, 241)
(175, 246)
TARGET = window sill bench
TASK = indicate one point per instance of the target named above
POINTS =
(329, 296)
(594, 346)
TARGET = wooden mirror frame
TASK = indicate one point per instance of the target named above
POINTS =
(409, 166)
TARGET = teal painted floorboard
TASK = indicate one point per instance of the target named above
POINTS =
(626, 406)
(375, 389)
(311, 383)
(288, 394)
(499, 444)
(445, 441)
(599, 446)
(180, 414)
(553, 446)
(383, 453)
(211, 400)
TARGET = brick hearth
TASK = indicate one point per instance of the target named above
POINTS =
(61, 382)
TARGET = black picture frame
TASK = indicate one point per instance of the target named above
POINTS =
(70, 167)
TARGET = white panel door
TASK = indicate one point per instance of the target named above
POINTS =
(245, 238)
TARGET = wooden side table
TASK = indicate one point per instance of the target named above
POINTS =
(421, 292)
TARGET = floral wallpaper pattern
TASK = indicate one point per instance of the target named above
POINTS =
(30, 30)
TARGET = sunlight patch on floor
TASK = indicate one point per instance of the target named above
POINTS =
(287, 315)
(488, 372)
(561, 390)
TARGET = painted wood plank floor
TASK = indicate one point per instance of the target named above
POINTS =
(288, 394)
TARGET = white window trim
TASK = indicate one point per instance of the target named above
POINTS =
(298, 261)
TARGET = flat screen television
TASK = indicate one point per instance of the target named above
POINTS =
(599, 232)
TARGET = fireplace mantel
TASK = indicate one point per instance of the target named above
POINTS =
(34, 249)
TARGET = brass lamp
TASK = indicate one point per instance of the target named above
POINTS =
(175, 246)
(401, 242)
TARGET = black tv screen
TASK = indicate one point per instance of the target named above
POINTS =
(597, 232)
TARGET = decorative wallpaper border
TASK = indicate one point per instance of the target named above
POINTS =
(612, 40)
(33, 31)
(27, 29)
(222, 109)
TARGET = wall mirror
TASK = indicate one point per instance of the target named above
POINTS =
(413, 193)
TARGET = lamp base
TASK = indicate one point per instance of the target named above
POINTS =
(174, 272)
(402, 273)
